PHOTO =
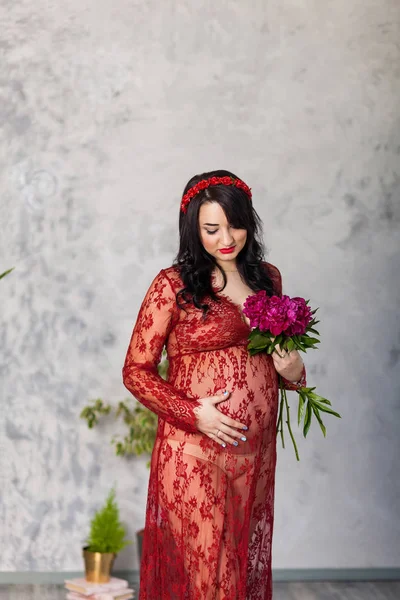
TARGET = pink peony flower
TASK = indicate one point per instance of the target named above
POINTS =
(288, 315)
(255, 306)
(276, 318)
(300, 316)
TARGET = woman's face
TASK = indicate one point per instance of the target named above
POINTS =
(216, 234)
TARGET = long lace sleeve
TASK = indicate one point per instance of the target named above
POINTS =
(277, 281)
(140, 374)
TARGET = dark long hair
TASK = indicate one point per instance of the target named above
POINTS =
(196, 265)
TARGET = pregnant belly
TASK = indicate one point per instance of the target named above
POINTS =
(253, 399)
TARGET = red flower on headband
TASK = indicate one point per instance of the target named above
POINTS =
(205, 183)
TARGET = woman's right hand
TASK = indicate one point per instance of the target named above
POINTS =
(215, 424)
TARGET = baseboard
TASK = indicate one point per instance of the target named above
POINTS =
(351, 574)
(281, 575)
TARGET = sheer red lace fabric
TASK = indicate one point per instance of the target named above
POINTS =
(210, 510)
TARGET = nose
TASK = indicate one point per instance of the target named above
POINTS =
(227, 237)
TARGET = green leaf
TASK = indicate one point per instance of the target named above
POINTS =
(297, 343)
(313, 330)
(326, 409)
(6, 273)
(253, 351)
(301, 408)
(320, 399)
(321, 403)
(311, 341)
(290, 345)
(316, 413)
(307, 420)
(258, 341)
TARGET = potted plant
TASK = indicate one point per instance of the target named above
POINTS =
(141, 424)
(106, 539)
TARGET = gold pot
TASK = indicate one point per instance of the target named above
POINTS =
(98, 565)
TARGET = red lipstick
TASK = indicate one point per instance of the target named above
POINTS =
(227, 250)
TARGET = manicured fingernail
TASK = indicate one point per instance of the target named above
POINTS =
(223, 445)
(225, 392)
(243, 439)
(244, 427)
(235, 443)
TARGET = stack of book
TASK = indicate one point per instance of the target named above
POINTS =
(115, 589)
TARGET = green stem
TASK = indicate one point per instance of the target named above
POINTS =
(279, 427)
(284, 401)
(290, 428)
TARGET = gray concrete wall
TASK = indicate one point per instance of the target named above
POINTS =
(107, 108)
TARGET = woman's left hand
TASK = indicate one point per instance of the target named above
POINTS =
(288, 364)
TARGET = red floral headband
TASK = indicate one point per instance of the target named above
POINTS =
(205, 183)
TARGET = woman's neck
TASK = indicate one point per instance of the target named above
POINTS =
(228, 267)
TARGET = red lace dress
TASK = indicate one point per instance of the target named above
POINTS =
(210, 509)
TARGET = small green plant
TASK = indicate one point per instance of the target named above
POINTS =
(107, 534)
(6, 273)
(140, 421)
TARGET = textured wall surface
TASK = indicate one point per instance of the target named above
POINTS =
(107, 108)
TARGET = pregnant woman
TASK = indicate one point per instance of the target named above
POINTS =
(210, 507)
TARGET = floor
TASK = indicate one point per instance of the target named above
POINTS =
(340, 590)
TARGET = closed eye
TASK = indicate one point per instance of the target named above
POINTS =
(211, 232)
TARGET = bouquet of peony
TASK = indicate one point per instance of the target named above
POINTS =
(288, 322)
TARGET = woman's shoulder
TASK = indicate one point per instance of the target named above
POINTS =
(275, 275)
(271, 269)
(164, 283)
(171, 271)
(172, 274)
